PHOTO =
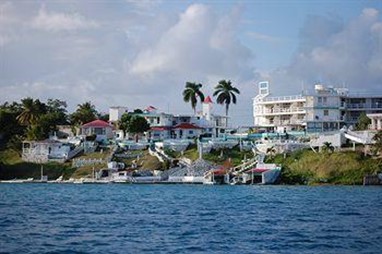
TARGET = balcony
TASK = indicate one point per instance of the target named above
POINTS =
(280, 111)
(284, 98)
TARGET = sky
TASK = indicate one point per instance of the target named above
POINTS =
(140, 53)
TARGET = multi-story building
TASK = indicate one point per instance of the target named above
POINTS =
(326, 109)
(115, 113)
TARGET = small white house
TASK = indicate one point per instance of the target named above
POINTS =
(101, 129)
(187, 131)
(43, 151)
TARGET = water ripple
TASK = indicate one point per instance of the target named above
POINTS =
(43, 218)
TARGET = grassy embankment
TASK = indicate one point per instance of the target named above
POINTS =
(11, 167)
(307, 167)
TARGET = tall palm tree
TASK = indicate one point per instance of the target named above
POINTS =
(191, 94)
(31, 111)
(225, 93)
(85, 112)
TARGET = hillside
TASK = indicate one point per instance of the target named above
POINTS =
(307, 167)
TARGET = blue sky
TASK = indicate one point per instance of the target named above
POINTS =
(140, 53)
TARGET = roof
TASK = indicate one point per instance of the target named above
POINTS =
(160, 128)
(186, 126)
(208, 100)
(97, 123)
(151, 108)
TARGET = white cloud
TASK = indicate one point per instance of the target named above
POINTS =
(8, 20)
(345, 54)
(54, 21)
(199, 45)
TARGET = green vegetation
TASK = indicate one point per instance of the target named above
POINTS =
(11, 167)
(191, 93)
(307, 167)
(226, 93)
(363, 122)
(133, 123)
(85, 113)
(234, 156)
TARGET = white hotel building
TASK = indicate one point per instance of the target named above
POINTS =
(327, 109)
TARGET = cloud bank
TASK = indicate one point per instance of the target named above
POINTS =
(136, 54)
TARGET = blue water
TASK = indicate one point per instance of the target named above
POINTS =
(53, 218)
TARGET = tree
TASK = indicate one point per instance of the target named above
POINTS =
(328, 147)
(225, 93)
(137, 124)
(138, 111)
(377, 146)
(85, 113)
(9, 125)
(57, 111)
(363, 122)
(124, 122)
(191, 94)
(31, 111)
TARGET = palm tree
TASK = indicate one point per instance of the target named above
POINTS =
(191, 94)
(225, 93)
(31, 111)
(85, 112)
(328, 147)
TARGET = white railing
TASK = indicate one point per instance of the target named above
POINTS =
(284, 98)
(282, 110)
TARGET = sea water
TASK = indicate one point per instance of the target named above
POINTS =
(125, 218)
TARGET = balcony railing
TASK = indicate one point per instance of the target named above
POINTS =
(281, 110)
(284, 98)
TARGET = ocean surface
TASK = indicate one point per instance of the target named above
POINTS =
(125, 218)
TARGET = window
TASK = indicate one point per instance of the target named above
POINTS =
(264, 85)
(319, 99)
(326, 112)
(190, 132)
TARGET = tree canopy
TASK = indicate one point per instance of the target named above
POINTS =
(133, 123)
(191, 93)
(226, 93)
(85, 113)
(363, 122)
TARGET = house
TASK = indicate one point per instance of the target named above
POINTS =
(103, 130)
(326, 109)
(186, 131)
(43, 151)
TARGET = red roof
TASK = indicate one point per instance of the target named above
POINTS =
(97, 123)
(208, 100)
(151, 108)
(186, 126)
(160, 128)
